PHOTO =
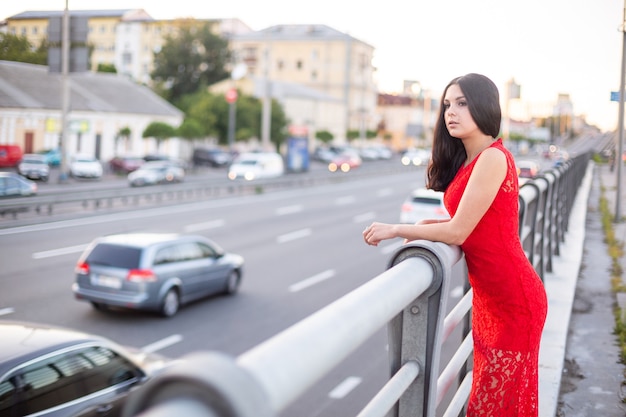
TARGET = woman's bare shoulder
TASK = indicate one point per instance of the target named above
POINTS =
(492, 158)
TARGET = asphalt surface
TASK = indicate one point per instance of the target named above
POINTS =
(592, 378)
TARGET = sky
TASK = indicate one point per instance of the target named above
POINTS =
(549, 47)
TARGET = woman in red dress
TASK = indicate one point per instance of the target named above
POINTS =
(479, 178)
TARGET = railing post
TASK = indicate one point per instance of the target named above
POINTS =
(423, 316)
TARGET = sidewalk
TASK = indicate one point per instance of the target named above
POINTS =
(580, 374)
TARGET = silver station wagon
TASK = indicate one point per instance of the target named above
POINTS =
(154, 271)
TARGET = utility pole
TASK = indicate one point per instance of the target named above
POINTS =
(65, 95)
(266, 116)
(620, 128)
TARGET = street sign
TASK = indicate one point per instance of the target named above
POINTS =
(231, 95)
(614, 95)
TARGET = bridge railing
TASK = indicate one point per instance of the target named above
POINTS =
(409, 298)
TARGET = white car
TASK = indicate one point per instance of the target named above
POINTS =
(252, 166)
(157, 172)
(85, 166)
(416, 157)
(423, 204)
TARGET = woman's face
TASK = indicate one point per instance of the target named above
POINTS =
(457, 116)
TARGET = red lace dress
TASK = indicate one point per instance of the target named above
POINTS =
(509, 304)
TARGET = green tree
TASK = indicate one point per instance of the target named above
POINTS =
(355, 134)
(210, 111)
(160, 131)
(278, 129)
(107, 68)
(324, 136)
(352, 134)
(203, 107)
(191, 129)
(192, 58)
(19, 49)
(123, 133)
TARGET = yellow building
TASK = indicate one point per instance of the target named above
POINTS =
(102, 28)
(320, 58)
(126, 38)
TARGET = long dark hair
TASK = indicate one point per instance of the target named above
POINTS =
(483, 102)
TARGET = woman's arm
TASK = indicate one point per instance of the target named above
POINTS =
(482, 187)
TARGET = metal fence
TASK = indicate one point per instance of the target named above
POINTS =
(409, 298)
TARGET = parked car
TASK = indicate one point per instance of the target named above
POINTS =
(423, 204)
(34, 167)
(416, 157)
(375, 152)
(344, 162)
(10, 155)
(152, 173)
(85, 166)
(166, 159)
(14, 185)
(323, 154)
(56, 372)
(125, 164)
(214, 157)
(256, 165)
(53, 156)
(154, 271)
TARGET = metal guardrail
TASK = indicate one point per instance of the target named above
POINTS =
(187, 191)
(409, 297)
(267, 378)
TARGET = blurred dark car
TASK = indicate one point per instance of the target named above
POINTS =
(156, 172)
(154, 271)
(57, 372)
(214, 157)
(34, 167)
(14, 185)
(166, 159)
(125, 164)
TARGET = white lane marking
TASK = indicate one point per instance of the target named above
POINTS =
(343, 389)
(163, 343)
(59, 252)
(281, 211)
(387, 249)
(315, 279)
(384, 192)
(342, 201)
(456, 292)
(298, 234)
(7, 311)
(364, 217)
(196, 227)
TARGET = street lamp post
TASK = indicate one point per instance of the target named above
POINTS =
(620, 123)
(65, 98)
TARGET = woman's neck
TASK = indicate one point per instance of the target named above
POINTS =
(475, 146)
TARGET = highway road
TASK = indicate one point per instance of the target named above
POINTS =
(303, 249)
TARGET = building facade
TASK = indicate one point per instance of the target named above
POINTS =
(101, 105)
(320, 58)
